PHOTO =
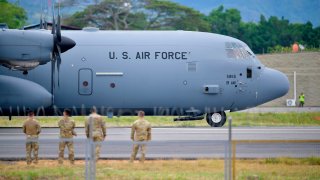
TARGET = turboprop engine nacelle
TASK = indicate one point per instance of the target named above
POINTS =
(17, 92)
(25, 50)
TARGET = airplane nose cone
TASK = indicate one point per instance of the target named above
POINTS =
(273, 84)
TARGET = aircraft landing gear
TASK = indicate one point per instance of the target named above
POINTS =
(216, 119)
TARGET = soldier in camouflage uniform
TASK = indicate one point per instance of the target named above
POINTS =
(67, 132)
(140, 133)
(32, 129)
(96, 129)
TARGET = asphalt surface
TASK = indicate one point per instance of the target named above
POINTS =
(281, 109)
(186, 143)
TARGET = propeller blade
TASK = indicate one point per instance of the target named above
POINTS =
(41, 23)
(59, 28)
(53, 76)
(61, 45)
(45, 25)
(58, 64)
(53, 30)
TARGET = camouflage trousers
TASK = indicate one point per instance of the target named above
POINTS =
(97, 140)
(32, 147)
(135, 149)
(62, 146)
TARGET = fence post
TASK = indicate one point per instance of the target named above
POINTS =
(226, 160)
(90, 154)
(87, 160)
(234, 160)
(230, 147)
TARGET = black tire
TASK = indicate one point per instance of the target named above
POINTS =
(217, 119)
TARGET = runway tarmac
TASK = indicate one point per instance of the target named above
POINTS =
(281, 109)
(186, 143)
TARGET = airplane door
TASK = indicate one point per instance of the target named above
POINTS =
(85, 82)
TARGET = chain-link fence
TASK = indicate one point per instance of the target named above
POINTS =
(187, 144)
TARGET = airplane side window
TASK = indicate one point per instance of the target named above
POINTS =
(249, 73)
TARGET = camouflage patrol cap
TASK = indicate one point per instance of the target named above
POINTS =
(93, 109)
(68, 111)
(30, 111)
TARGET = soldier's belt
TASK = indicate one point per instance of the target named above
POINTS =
(32, 139)
(32, 136)
(66, 139)
(67, 131)
(140, 142)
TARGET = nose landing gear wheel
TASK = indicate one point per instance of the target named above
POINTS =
(216, 119)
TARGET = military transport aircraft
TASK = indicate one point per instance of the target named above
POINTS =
(182, 73)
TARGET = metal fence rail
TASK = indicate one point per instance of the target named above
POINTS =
(228, 149)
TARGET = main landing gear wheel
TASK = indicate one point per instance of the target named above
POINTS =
(216, 119)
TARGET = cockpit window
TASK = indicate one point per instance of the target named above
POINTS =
(230, 50)
(237, 51)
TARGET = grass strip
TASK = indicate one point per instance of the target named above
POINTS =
(239, 119)
(271, 168)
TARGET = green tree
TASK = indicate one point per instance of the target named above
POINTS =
(305, 34)
(271, 33)
(139, 14)
(108, 14)
(317, 37)
(170, 15)
(308, 35)
(11, 14)
(249, 33)
(226, 22)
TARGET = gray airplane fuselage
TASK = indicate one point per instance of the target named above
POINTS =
(160, 72)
